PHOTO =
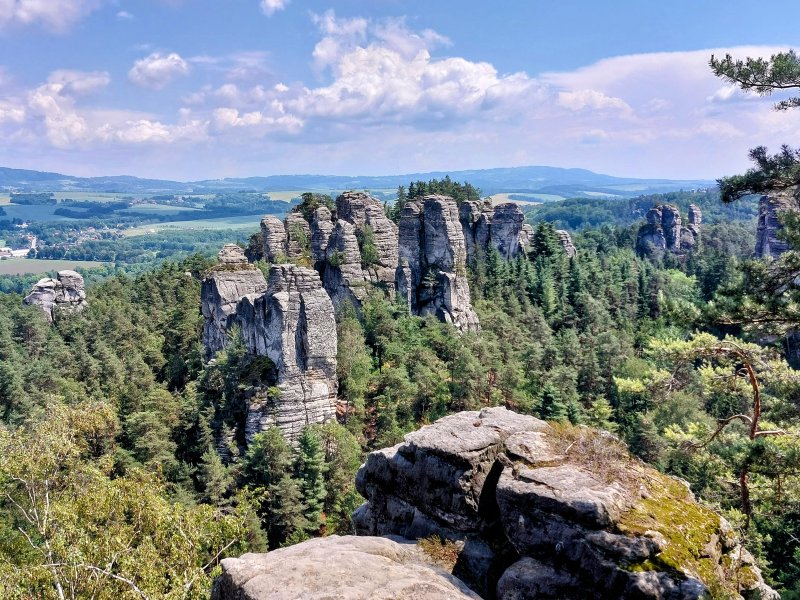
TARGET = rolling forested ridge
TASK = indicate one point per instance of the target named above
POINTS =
(656, 334)
(113, 478)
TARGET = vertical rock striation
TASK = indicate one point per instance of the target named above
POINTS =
(664, 231)
(503, 227)
(770, 208)
(293, 325)
(65, 293)
(288, 320)
(222, 289)
(274, 235)
(432, 273)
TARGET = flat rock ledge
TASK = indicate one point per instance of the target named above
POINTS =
(339, 568)
(538, 510)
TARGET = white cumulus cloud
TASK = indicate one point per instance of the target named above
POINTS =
(157, 70)
(56, 15)
(270, 7)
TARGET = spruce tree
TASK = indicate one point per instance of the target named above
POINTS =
(310, 473)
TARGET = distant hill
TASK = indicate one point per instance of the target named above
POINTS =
(544, 180)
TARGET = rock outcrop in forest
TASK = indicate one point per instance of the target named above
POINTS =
(223, 288)
(432, 275)
(664, 231)
(548, 511)
(770, 206)
(66, 292)
(287, 319)
(503, 227)
(521, 509)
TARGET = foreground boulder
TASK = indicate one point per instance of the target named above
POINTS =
(65, 293)
(340, 568)
(551, 511)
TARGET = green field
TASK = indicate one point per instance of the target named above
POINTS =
(155, 209)
(94, 196)
(530, 199)
(285, 196)
(242, 222)
(19, 266)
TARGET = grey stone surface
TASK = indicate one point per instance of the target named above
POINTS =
(288, 319)
(539, 522)
(293, 325)
(770, 208)
(432, 245)
(506, 230)
(664, 231)
(338, 568)
(565, 240)
(273, 234)
(65, 293)
(298, 236)
(222, 289)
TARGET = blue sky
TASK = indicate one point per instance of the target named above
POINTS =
(190, 89)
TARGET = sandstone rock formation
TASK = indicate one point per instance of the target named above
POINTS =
(664, 231)
(340, 568)
(293, 325)
(362, 250)
(432, 273)
(288, 320)
(502, 226)
(544, 512)
(224, 286)
(565, 240)
(65, 293)
(770, 208)
(274, 236)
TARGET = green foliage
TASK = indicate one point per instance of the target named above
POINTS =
(779, 170)
(311, 202)
(366, 245)
(780, 72)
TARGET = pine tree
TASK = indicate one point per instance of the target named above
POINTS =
(551, 407)
(310, 473)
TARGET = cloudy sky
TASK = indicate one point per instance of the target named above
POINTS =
(191, 89)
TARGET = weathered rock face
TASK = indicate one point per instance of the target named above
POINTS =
(321, 230)
(298, 236)
(293, 325)
(506, 230)
(664, 231)
(341, 568)
(502, 226)
(65, 293)
(288, 320)
(432, 273)
(565, 240)
(770, 207)
(223, 288)
(539, 512)
(274, 235)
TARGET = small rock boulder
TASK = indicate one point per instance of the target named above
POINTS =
(340, 568)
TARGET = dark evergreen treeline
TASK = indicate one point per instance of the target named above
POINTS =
(606, 339)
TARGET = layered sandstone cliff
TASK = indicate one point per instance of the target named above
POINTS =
(770, 209)
(289, 320)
